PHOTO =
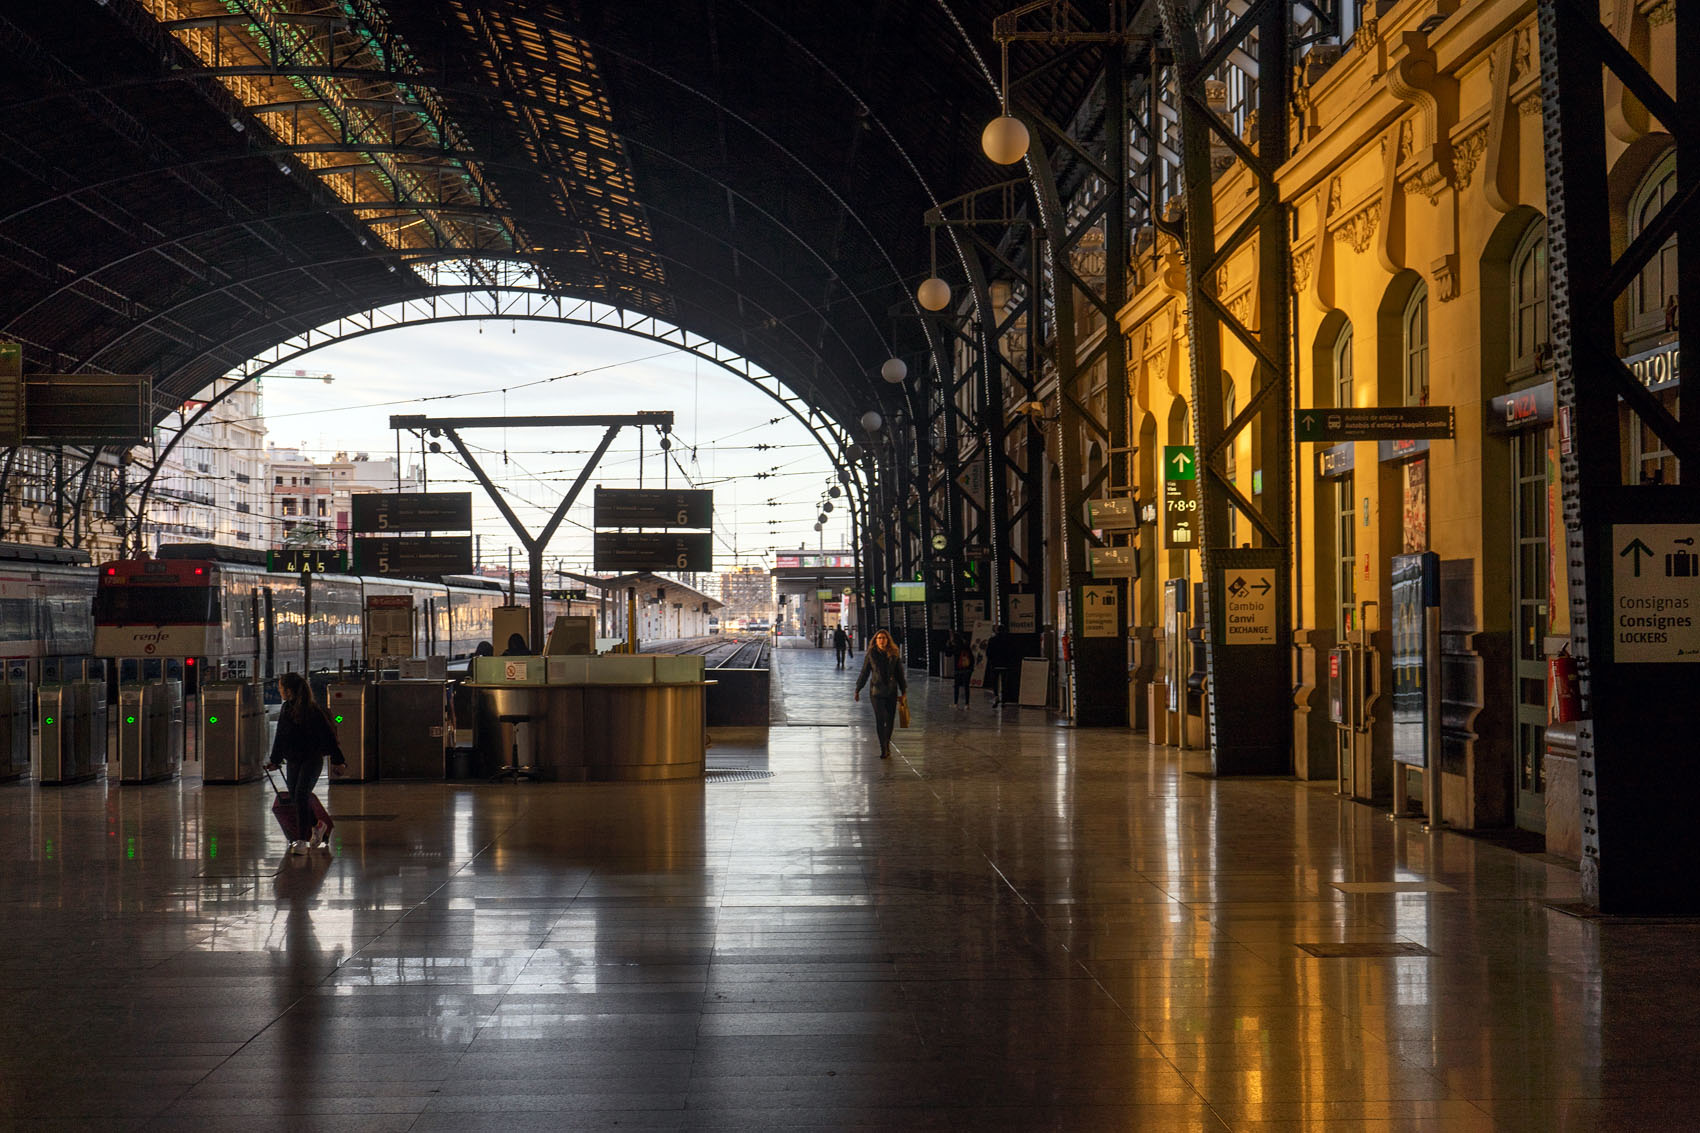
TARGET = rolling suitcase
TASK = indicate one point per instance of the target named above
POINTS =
(283, 809)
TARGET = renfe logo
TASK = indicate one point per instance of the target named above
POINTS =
(166, 641)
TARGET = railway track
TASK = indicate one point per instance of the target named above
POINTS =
(719, 652)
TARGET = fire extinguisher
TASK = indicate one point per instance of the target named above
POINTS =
(1564, 688)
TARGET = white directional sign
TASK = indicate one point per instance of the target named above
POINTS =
(1250, 595)
(1118, 514)
(1113, 562)
(1023, 613)
(1655, 592)
(1098, 608)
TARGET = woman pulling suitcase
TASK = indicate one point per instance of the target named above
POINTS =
(305, 739)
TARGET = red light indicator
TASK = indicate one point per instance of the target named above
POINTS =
(111, 570)
(190, 662)
(198, 570)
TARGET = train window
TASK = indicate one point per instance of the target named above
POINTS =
(155, 605)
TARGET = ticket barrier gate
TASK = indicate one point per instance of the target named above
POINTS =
(15, 731)
(353, 706)
(1354, 682)
(233, 732)
(150, 730)
(73, 730)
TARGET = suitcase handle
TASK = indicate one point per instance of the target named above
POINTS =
(272, 781)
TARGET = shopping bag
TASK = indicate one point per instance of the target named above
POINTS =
(903, 712)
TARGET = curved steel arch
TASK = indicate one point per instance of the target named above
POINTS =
(667, 335)
(386, 252)
(331, 312)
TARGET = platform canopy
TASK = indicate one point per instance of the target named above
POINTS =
(191, 182)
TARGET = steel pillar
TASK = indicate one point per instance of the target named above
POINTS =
(1635, 745)
(1249, 683)
(1098, 664)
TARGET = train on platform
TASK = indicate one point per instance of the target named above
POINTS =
(223, 615)
(46, 594)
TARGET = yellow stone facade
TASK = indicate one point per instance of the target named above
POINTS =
(1416, 192)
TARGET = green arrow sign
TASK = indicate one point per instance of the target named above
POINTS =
(1179, 463)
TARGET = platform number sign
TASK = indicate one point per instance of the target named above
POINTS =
(1180, 497)
(1180, 514)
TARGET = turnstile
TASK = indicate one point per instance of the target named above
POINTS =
(14, 729)
(73, 730)
(233, 732)
(150, 730)
(353, 706)
(412, 729)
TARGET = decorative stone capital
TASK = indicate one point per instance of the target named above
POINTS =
(1359, 228)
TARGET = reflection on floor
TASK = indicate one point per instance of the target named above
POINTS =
(1008, 925)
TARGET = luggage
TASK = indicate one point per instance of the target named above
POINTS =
(283, 809)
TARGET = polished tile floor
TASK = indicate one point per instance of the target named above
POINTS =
(1008, 925)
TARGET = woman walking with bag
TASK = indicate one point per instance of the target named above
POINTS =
(305, 738)
(888, 687)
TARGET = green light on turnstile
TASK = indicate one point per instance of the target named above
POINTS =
(129, 719)
(212, 719)
(212, 846)
(48, 721)
(339, 719)
(130, 852)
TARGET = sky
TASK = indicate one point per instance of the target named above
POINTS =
(443, 369)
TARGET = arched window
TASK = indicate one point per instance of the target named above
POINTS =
(1415, 337)
(1344, 395)
(1652, 300)
(1529, 335)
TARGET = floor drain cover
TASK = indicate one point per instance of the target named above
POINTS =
(735, 775)
(1364, 949)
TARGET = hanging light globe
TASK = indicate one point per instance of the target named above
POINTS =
(1005, 140)
(817, 527)
(827, 506)
(871, 421)
(933, 294)
(834, 491)
(894, 370)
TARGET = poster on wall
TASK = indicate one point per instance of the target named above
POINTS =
(979, 634)
(1415, 583)
(389, 626)
(1416, 506)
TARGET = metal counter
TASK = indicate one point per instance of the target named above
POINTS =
(606, 732)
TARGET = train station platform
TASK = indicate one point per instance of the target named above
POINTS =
(1007, 925)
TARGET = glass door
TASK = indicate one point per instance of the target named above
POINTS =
(1529, 582)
